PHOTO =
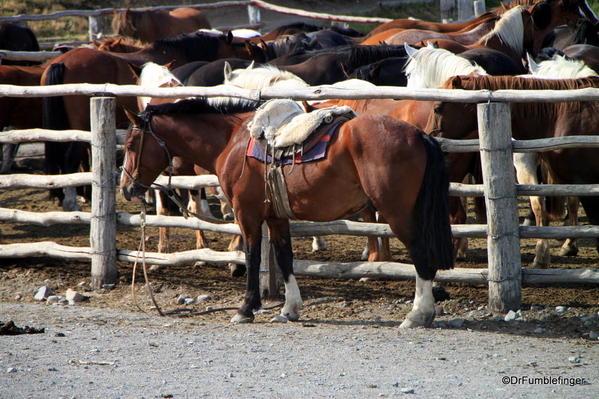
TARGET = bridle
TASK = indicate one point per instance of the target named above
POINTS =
(168, 190)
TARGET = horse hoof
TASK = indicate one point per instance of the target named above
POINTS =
(237, 270)
(241, 319)
(568, 251)
(290, 315)
(414, 320)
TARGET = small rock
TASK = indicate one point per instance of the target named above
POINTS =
(190, 301)
(536, 307)
(52, 369)
(279, 319)
(456, 323)
(108, 287)
(510, 316)
(73, 296)
(42, 293)
(11, 370)
(593, 335)
(18, 296)
(539, 330)
(364, 279)
(53, 299)
(574, 359)
(407, 390)
(204, 298)
(181, 299)
(561, 309)
(283, 375)
(396, 384)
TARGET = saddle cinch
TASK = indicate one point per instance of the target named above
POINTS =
(282, 133)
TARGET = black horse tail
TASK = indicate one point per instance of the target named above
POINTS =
(431, 248)
(54, 117)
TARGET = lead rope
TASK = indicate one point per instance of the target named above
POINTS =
(142, 246)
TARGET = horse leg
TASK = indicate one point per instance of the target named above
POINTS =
(252, 237)
(236, 244)
(526, 173)
(591, 208)
(378, 247)
(71, 165)
(281, 241)
(569, 247)
(195, 205)
(163, 232)
(9, 151)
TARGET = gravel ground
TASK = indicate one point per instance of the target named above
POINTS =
(101, 353)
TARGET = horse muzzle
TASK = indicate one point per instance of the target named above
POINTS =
(133, 192)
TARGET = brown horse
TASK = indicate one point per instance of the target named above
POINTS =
(151, 25)
(407, 183)
(19, 112)
(522, 30)
(529, 121)
(118, 44)
(84, 65)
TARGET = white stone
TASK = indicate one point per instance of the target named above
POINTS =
(593, 335)
(407, 390)
(73, 296)
(574, 359)
(510, 316)
(560, 309)
(190, 301)
(42, 293)
(204, 298)
(279, 319)
(11, 370)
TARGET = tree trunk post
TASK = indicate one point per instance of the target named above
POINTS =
(253, 15)
(103, 220)
(465, 10)
(479, 7)
(503, 240)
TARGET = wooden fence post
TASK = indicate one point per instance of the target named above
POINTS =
(479, 7)
(447, 8)
(503, 241)
(95, 30)
(253, 15)
(103, 221)
(269, 275)
(465, 10)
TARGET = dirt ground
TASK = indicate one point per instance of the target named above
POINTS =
(345, 301)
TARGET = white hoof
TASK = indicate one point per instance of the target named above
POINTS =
(238, 318)
(365, 254)
(414, 320)
(290, 314)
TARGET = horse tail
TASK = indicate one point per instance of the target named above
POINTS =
(431, 248)
(54, 117)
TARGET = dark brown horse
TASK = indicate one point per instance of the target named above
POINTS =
(529, 121)
(17, 38)
(84, 65)
(151, 25)
(19, 112)
(407, 183)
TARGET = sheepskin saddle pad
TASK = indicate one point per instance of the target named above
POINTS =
(283, 128)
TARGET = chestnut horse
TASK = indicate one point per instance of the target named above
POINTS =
(19, 112)
(530, 121)
(84, 65)
(407, 183)
(151, 25)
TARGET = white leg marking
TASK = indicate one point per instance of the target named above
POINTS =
(69, 203)
(423, 311)
(318, 244)
(293, 300)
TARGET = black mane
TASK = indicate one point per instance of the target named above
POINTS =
(196, 46)
(198, 105)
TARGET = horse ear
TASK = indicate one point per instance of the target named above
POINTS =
(410, 51)
(227, 71)
(135, 69)
(307, 107)
(168, 65)
(230, 37)
(251, 66)
(132, 116)
(541, 14)
(533, 67)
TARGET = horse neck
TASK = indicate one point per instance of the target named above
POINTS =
(201, 138)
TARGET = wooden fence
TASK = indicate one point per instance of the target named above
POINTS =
(504, 274)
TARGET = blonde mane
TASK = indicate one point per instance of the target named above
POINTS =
(560, 67)
(509, 29)
(429, 67)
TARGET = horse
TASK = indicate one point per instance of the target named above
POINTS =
(530, 121)
(19, 112)
(151, 25)
(522, 30)
(407, 183)
(17, 38)
(585, 32)
(585, 52)
(84, 65)
(118, 44)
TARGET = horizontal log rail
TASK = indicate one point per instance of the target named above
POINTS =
(323, 92)
(211, 6)
(298, 229)
(353, 270)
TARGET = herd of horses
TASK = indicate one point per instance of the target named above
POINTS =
(380, 161)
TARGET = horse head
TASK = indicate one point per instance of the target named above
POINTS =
(145, 157)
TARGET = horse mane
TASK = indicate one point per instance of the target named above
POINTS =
(195, 46)
(503, 7)
(354, 56)
(509, 29)
(263, 76)
(430, 67)
(562, 67)
(300, 26)
(198, 105)
(111, 42)
(524, 110)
